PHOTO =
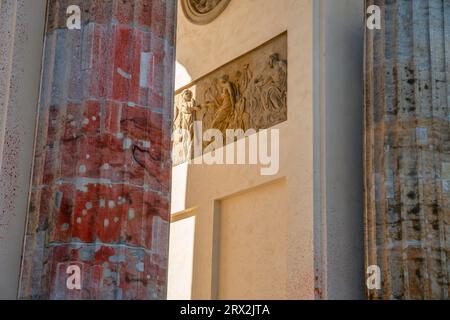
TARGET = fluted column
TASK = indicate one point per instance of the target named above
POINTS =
(407, 149)
(101, 175)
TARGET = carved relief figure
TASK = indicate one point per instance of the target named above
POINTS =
(185, 115)
(244, 78)
(226, 103)
(271, 85)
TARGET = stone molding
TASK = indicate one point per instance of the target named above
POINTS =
(203, 11)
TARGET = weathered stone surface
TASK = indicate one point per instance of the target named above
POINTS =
(21, 35)
(101, 177)
(407, 149)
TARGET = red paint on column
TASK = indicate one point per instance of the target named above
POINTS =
(101, 180)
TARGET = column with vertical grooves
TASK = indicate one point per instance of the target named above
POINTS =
(407, 149)
(101, 175)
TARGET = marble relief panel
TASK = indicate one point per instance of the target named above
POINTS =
(249, 92)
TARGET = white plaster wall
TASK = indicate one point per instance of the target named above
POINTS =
(253, 264)
(320, 150)
(181, 256)
(21, 41)
(244, 25)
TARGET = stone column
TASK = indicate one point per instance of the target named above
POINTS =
(407, 149)
(101, 175)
